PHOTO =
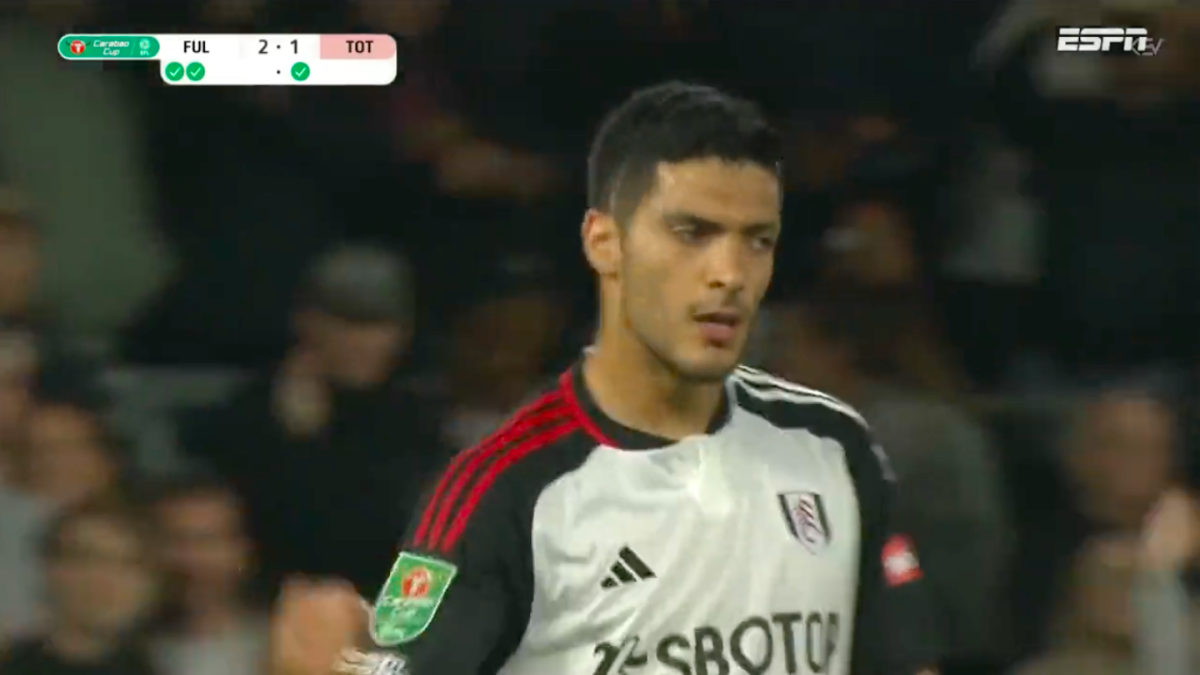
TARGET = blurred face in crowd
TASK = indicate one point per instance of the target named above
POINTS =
(1121, 455)
(800, 351)
(1099, 600)
(205, 550)
(506, 341)
(355, 355)
(871, 244)
(67, 461)
(18, 265)
(99, 578)
(686, 274)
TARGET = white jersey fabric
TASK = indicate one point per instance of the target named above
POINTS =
(571, 545)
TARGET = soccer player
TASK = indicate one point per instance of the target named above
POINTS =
(661, 509)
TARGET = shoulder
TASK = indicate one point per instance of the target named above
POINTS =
(491, 488)
(788, 405)
(542, 439)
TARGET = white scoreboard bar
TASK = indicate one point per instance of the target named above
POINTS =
(249, 60)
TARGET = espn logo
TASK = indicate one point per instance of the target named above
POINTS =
(1105, 40)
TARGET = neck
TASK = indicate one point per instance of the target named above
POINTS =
(75, 644)
(637, 390)
(212, 618)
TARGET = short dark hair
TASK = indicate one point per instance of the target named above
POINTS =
(673, 122)
(191, 485)
(126, 513)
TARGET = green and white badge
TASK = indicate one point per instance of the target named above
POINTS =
(410, 598)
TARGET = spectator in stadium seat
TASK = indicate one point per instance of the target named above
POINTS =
(99, 583)
(952, 501)
(18, 367)
(21, 517)
(329, 449)
(64, 454)
(72, 455)
(502, 347)
(18, 257)
(1119, 458)
(209, 628)
(1094, 629)
(873, 245)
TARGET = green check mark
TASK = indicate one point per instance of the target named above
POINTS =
(300, 72)
(195, 72)
(174, 72)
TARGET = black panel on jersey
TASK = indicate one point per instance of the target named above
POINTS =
(479, 516)
(896, 631)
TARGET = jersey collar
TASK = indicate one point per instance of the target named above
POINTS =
(608, 431)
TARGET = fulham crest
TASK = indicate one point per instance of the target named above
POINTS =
(804, 513)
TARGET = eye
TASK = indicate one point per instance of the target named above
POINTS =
(763, 243)
(687, 232)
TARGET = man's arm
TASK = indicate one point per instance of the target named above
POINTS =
(457, 599)
(895, 628)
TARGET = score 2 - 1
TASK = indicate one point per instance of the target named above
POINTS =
(263, 45)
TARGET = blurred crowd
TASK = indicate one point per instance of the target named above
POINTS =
(240, 327)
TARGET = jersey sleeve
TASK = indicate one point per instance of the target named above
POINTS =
(457, 599)
(896, 630)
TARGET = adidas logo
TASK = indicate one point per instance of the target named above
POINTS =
(628, 569)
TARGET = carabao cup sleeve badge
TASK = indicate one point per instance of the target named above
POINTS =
(410, 598)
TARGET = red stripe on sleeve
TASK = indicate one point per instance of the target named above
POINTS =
(501, 435)
(507, 459)
(526, 428)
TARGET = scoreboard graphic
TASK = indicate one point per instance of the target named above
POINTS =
(248, 60)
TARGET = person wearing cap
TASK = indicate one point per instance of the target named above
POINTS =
(327, 447)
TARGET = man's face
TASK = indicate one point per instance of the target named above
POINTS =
(356, 355)
(99, 580)
(67, 462)
(696, 260)
(204, 548)
(872, 245)
(1124, 450)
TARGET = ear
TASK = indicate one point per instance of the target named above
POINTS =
(601, 242)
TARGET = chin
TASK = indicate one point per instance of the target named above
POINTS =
(707, 368)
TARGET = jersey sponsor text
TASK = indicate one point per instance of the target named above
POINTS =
(799, 642)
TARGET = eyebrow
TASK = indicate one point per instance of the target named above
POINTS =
(685, 218)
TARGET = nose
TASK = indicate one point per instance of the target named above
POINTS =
(727, 265)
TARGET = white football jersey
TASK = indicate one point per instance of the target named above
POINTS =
(567, 544)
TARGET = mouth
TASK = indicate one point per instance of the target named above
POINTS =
(720, 328)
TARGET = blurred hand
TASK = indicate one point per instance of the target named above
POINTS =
(313, 624)
(1171, 536)
(302, 400)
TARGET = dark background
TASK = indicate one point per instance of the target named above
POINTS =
(990, 248)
